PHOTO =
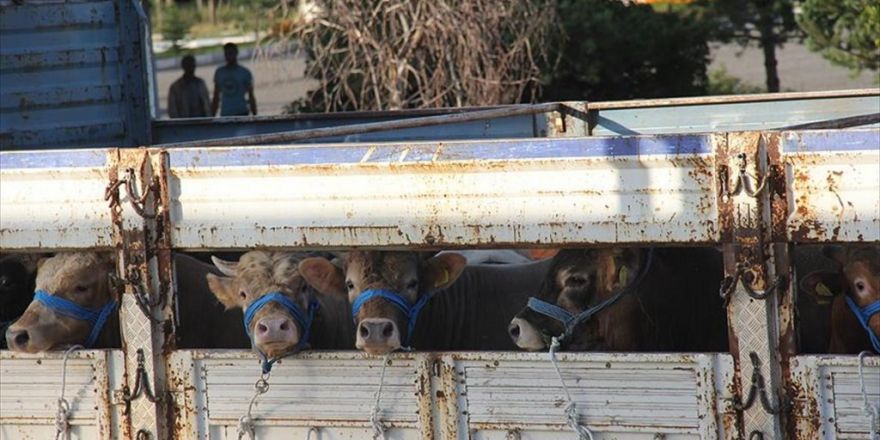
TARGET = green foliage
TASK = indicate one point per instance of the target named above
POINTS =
(722, 83)
(846, 32)
(618, 51)
(175, 25)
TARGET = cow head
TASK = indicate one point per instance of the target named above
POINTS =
(80, 278)
(273, 329)
(382, 326)
(577, 280)
(858, 277)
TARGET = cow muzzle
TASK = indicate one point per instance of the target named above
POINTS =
(275, 335)
(377, 336)
(525, 335)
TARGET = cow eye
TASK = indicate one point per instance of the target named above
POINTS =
(4, 282)
(414, 284)
(242, 294)
(576, 280)
(349, 285)
(860, 286)
(81, 289)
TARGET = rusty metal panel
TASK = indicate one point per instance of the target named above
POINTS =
(489, 193)
(834, 177)
(30, 385)
(624, 396)
(55, 200)
(831, 404)
(64, 67)
(333, 392)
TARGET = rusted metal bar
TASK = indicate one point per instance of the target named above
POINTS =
(301, 135)
(852, 121)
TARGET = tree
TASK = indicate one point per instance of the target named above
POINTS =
(767, 23)
(846, 32)
(617, 51)
(396, 54)
(175, 26)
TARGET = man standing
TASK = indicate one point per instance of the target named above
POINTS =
(231, 83)
(188, 96)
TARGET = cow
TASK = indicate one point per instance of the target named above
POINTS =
(408, 300)
(854, 291)
(284, 313)
(627, 299)
(16, 291)
(75, 304)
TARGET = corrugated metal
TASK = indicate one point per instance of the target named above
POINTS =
(490, 193)
(30, 386)
(55, 200)
(72, 75)
(331, 391)
(831, 403)
(833, 179)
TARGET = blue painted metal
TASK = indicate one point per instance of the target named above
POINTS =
(831, 140)
(72, 75)
(10, 160)
(513, 149)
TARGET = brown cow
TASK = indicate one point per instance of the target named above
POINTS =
(274, 329)
(856, 281)
(83, 278)
(670, 301)
(465, 308)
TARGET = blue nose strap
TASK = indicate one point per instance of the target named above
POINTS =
(95, 318)
(303, 319)
(863, 315)
(410, 311)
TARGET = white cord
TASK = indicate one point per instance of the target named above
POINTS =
(873, 412)
(375, 420)
(246, 422)
(62, 425)
(571, 413)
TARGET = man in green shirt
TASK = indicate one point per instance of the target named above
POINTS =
(231, 83)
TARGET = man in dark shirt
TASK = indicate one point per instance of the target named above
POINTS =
(188, 96)
(231, 83)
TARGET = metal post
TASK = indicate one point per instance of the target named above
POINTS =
(752, 287)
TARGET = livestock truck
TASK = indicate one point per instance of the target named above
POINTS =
(76, 132)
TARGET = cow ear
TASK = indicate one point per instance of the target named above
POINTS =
(323, 275)
(626, 261)
(226, 267)
(41, 262)
(439, 272)
(822, 285)
(836, 253)
(225, 289)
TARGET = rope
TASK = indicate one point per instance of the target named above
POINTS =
(311, 430)
(62, 425)
(871, 411)
(246, 423)
(375, 420)
(571, 413)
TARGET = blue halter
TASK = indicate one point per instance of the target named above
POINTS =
(569, 320)
(863, 315)
(96, 318)
(411, 311)
(305, 321)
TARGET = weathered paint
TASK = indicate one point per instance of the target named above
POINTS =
(829, 404)
(30, 385)
(72, 75)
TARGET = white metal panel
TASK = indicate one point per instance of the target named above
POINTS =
(621, 396)
(333, 392)
(551, 191)
(30, 385)
(834, 179)
(833, 382)
(54, 200)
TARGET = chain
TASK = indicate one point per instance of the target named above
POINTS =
(744, 180)
(246, 423)
(141, 384)
(758, 390)
(871, 411)
(62, 425)
(729, 283)
(375, 419)
(571, 413)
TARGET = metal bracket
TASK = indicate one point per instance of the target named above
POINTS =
(743, 180)
(137, 202)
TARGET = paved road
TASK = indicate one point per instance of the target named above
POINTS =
(277, 82)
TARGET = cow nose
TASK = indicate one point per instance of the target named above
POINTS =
(377, 336)
(376, 330)
(273, 330)
(513, 330)
(18, 339)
